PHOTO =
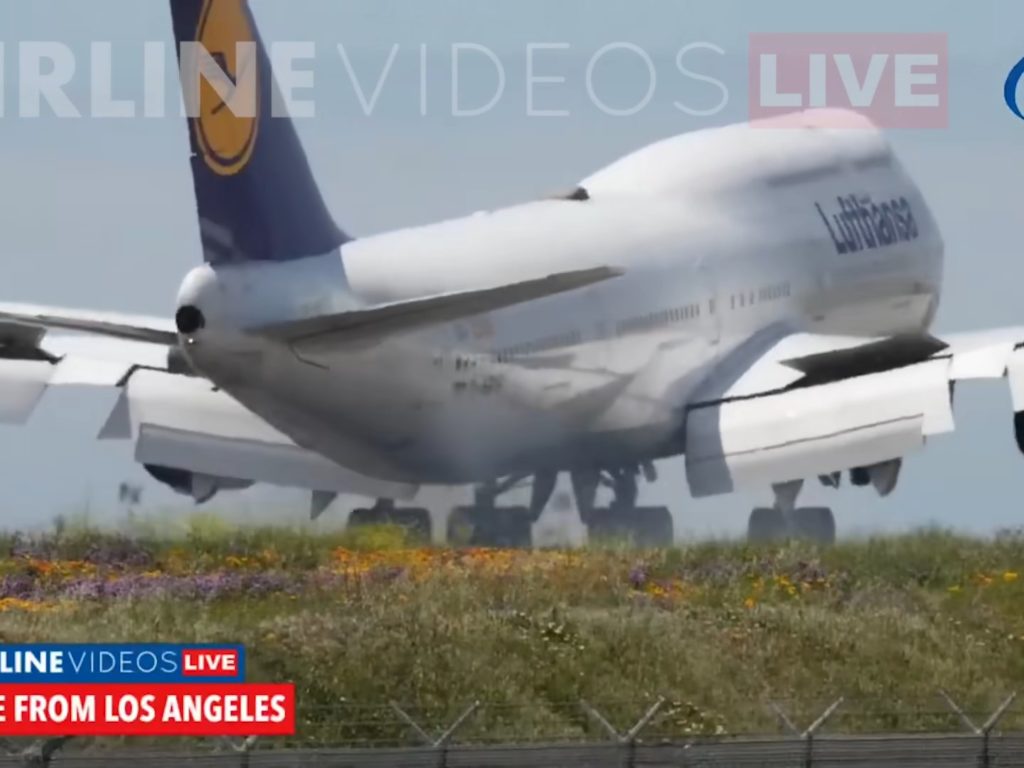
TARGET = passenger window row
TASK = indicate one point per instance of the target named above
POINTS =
(658, 319)
(765, 294)
(559, 341)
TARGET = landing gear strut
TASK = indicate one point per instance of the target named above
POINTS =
(623, 519)
(785, 520)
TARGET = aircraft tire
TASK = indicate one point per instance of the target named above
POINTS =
(363, 517)
(816, 524)
(653, 527)
(766, 524)
(491, 527)
(642, 527)
(417, 522)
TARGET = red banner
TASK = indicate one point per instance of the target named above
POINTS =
(207, 709)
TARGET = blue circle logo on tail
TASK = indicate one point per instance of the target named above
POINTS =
(1013, 80)
(229, 96)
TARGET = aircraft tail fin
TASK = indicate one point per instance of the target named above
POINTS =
(256, 195)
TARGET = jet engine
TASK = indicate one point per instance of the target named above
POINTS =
(883, 476)
(200, 487)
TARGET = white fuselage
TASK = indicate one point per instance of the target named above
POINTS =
(721, 234)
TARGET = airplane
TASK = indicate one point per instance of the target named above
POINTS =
(756, 298)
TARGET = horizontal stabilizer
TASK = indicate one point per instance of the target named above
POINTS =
(130, 327)
(380, 321)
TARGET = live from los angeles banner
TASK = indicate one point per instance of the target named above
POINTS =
(138, 690)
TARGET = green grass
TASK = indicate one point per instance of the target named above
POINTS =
(719, 630)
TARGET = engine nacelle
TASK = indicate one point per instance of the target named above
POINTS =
(883, 476)
(200, 487)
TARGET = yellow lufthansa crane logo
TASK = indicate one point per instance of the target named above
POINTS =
(228, 113)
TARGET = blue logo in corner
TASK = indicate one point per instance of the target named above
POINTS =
(1010, 89)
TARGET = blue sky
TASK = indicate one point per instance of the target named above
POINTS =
(99, 213)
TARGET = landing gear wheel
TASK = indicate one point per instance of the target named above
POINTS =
(654, 527)
(815, 524)
(644, 527)
(766, 524)
(491, 527)
(365, 517)
(416, 522)
(460, 526)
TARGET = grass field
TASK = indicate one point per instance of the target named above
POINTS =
(719, 630)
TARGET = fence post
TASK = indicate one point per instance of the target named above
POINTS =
(42, 752)
(992, 722)
(243, 749)
(807, 736)
(441, 743)
(627, 739)
(813, 730)
(985, 730)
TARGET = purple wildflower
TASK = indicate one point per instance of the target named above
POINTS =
(638, 576)
(20, 586)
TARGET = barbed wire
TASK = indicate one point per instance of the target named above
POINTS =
(624, 728)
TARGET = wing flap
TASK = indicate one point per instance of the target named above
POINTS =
(790, 435)
(30, 364)
(790, 406)
(785, 407)
(22, 385)
(380, 321)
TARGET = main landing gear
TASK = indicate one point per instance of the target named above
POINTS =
(786, 520)
(485, 523)
(416, 522)
(622, 520)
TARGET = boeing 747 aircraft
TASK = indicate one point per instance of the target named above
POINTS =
(755, 298)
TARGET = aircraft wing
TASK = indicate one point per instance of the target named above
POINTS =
(379, 321)
(186, 423)
(31, 361)
(176, 420)
(791, 406)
